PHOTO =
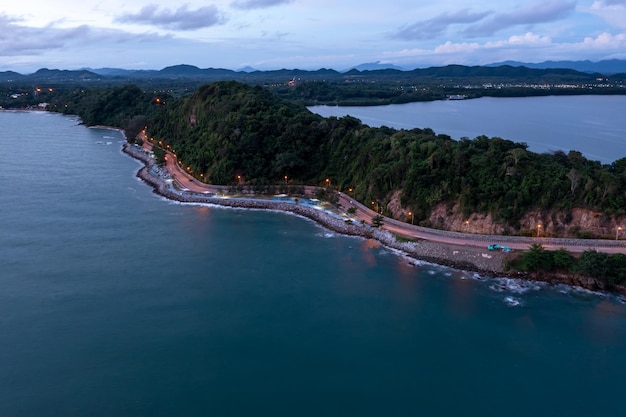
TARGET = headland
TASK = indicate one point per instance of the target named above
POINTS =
(473, 257)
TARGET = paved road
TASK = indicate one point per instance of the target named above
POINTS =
(365, 214)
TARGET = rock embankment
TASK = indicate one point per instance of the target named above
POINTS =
(461, 257)
(469, 258)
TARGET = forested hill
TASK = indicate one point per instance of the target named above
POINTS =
(228, 129)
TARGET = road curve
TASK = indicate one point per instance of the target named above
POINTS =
(365, 215)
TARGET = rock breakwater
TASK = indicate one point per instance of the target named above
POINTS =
(460, 257)
(468, 258)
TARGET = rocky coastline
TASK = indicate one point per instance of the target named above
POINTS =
(473, 259)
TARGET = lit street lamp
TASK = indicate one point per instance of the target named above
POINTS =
(539, 230)
(411, 214)
(617, 232)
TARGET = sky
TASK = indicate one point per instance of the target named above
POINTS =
(305, 34)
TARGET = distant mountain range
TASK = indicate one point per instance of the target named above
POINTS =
(374, 66)
(606, 67)
(509, 69)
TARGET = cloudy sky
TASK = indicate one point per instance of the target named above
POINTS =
(306, 34)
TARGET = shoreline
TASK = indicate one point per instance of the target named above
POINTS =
(466, 258)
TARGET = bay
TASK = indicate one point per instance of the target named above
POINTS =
(591, 124)
(116, 302)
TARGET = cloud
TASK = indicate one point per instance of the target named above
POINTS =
(601, 3)
(432, 28)
(613, 11)
(258, 4)
(517, 47)
(181, 19)
(17, 39)
(455, 48)
(605, 41)
(532, 13)
(528, 39)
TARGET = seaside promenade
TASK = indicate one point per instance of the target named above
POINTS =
(364, 215)
(462, 251)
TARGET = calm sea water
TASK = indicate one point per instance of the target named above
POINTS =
(593, 125)
(115, 302)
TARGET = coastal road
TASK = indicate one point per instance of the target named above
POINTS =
(365, 215)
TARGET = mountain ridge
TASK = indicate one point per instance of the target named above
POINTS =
(184, 71)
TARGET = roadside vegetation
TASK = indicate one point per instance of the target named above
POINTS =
(609, 269)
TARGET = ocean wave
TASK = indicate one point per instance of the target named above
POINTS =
(515, 285)
(574, 290)
(512, 301)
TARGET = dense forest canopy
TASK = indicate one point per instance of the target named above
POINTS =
(228, 129)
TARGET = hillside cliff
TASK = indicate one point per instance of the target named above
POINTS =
(229, 133)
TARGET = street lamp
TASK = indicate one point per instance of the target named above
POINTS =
(617, 232)
(538, 229)
(328, 182)
(285, 179)
(411, 214)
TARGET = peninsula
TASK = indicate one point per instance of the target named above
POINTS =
(458, 250)
(248, 139)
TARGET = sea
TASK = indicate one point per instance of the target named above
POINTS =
(591, 124)
(117, 302)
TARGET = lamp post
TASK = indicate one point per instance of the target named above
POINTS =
(327, 182)
(539, 230)
(411, 214)
(617, 232)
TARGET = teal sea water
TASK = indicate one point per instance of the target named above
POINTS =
(116, 302)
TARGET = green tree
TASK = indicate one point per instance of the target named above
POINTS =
(562, 259)
(593, 263)
(377, 221)
(134, 127)
(536, 258)
(617, 263)
(159, 155)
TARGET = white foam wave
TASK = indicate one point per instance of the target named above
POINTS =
(568, 290)
(512, 301)
(514, 285)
